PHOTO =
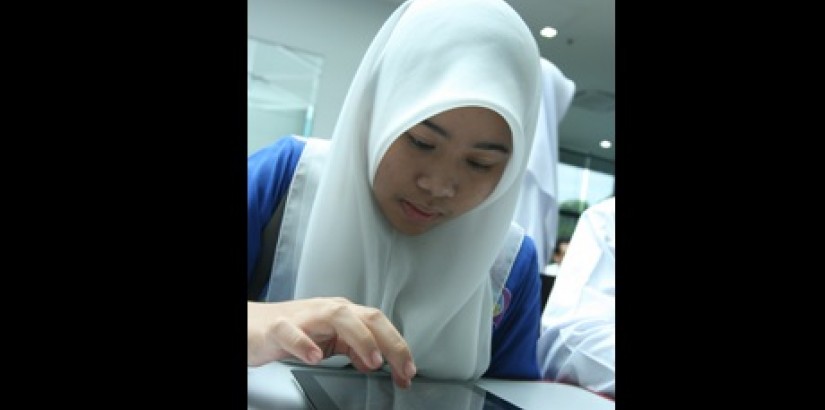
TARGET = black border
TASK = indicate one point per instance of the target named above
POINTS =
(136, 189)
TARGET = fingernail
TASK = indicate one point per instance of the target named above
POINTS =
(377, 360)
(409, 369)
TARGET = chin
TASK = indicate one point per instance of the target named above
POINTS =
(413, 230)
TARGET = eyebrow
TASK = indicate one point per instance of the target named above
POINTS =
(482, 145)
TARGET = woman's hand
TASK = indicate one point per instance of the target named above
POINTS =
(313, 329)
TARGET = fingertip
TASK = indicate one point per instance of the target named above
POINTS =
(401, 382)
(410, 370)
(376, 359)
(314, 356)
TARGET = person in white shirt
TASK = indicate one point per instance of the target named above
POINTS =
(548, 274)
(578, 340)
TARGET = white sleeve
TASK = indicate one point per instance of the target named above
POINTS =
(577, 343)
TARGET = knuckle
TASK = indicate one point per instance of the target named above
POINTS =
(284, 334)
(373, 315)
(278, 327)
(398, 345)
(339, 309)
(281, 332)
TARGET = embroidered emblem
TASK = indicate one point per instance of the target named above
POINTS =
(501, 306)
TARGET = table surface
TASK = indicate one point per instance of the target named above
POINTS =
(272, 386)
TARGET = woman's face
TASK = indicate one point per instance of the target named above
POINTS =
(441, 168)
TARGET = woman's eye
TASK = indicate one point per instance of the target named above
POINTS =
(418, 143)
(478, 165)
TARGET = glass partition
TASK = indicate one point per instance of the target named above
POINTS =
(583, 181)
(282, 83)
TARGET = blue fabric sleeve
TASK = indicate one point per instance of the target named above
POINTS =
(516, 333)
(269, 173)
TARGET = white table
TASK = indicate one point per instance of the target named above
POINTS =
(272, 386)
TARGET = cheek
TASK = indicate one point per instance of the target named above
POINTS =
(387, 174)
(380, 183)
(479, 190)
(490, 181)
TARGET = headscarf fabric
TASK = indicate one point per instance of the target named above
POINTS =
(538, 207)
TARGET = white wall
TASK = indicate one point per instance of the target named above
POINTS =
(338, 30)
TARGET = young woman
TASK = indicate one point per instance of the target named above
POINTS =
(396, 240)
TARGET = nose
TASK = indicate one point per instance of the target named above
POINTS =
(438, 184)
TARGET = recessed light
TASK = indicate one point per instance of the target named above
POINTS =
(548, 32)
(605, 144)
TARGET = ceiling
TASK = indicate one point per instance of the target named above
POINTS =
(584, 50)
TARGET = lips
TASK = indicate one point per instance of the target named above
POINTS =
(418, 213)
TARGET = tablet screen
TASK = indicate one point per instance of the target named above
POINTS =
(344, 389)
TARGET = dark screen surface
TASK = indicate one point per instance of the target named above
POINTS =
(344, 390)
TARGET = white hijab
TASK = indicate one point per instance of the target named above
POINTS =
(538, 206)
(429, 56)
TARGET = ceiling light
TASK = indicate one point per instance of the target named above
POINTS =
(548, 32)
(605, 144)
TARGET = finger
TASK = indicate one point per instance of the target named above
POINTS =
(354, 337)
(401, 381)
(359, 364)
(361, 367)
(392, 345)
(294, 341)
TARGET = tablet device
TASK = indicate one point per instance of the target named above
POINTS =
(331, 389)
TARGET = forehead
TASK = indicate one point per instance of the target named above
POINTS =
(476, 122)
